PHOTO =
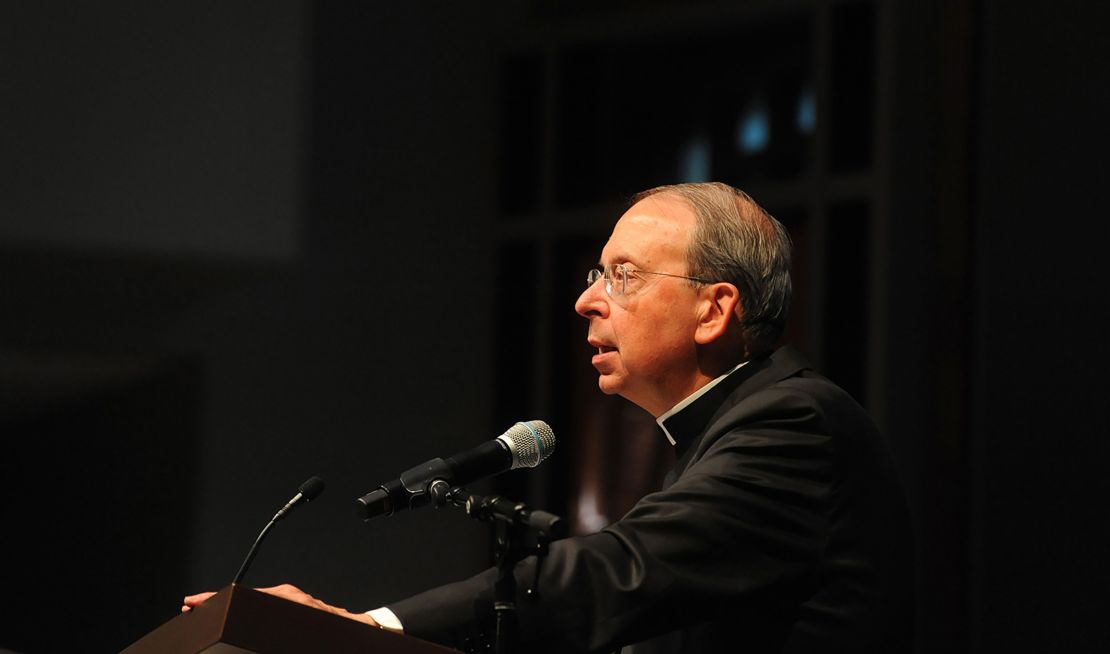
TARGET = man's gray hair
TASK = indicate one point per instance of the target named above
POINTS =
(736, 241)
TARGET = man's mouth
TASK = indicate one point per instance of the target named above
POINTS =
(603, 359)
(603, 348)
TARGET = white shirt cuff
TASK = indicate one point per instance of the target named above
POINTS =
(387, 620)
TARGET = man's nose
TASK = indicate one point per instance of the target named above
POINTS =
(593, 301)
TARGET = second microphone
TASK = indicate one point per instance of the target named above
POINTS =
(524, 445)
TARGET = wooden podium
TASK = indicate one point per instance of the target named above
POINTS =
(240, 620)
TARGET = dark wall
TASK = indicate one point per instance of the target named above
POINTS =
(371, 355)
(995, 341)
(1038, 530)
(141, 127)
(323, 310)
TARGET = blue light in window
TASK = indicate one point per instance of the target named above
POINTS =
(695, 159)
(807, 111)
(753, 132)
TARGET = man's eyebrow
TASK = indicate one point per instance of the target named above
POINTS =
(619, 257)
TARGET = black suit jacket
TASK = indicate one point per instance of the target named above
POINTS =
(781, 529)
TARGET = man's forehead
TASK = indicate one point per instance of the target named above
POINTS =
(663, 205)
(653, 228)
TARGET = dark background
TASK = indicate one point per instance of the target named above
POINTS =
(245, 243)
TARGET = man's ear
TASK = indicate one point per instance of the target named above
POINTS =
(718, 309)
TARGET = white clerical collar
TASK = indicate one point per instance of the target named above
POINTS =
(690, 399)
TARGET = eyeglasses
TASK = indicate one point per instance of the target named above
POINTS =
(616, 278)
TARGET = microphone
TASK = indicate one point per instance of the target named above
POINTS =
(524, 445)
(309, 490)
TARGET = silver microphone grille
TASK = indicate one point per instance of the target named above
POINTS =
(529, 442)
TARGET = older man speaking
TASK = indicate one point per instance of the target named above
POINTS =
(782, 527)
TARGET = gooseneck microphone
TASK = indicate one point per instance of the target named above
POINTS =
(524, 445)
(308, 491)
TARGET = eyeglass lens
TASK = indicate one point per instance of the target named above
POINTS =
(615, 279)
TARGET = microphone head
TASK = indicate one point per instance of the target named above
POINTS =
(312, 488)
(529, 442)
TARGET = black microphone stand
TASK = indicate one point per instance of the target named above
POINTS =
(308, 491)
(511, 521)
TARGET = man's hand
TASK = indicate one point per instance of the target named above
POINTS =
(293, 594)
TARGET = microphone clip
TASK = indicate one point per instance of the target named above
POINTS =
(545, 526)
(410, 490)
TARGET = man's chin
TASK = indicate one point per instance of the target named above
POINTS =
(608, 385)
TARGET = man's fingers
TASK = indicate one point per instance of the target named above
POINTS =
(192, 600)
(292, 593)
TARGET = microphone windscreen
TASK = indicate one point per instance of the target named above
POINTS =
(312, 488)
(530, 443)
